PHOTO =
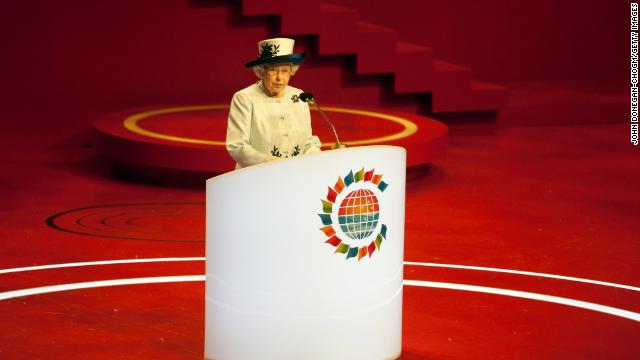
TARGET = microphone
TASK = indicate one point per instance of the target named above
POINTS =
(308, 98)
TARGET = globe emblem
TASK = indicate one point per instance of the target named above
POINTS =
(358, 214)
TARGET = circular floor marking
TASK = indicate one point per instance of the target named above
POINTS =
(131, 123)
(418, 283)
(427, 284)
(166, 222)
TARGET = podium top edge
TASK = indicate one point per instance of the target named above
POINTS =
(306, 157)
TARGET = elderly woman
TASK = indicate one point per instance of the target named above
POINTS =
(267, 121)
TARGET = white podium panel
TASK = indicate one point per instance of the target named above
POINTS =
(305, 257)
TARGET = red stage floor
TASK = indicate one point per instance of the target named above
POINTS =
(557, 205)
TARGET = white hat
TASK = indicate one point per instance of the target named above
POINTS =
(275, 51)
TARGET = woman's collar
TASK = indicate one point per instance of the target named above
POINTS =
(263, 92)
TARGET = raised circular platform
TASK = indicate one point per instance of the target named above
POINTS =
(192, 138)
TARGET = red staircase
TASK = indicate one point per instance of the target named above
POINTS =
(378, 51)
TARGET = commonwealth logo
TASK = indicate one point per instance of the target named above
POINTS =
(351, 214)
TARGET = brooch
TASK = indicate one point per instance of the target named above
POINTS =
(295, 98)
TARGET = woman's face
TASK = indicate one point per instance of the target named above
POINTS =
(275, 79)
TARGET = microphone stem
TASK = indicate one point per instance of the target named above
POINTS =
(339, 145)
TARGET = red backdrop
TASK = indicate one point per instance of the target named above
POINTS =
(511, 40)
(66, 62)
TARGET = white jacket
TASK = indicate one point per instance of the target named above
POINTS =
(260, 126)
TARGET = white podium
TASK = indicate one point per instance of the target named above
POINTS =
(305, 258)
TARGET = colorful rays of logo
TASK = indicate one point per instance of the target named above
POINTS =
(358, 215)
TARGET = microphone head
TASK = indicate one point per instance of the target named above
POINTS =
(306, 96)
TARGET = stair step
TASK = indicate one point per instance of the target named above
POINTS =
(403, 46)
(366, 27)
(452, 84)
(486, 96)
(478, 85)
(326, 7)
(300, 21)
(482, 96)
(338, 30)
(443, 66)
(376, 49)
(414, 68)
(276, 7)
(451, 78)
